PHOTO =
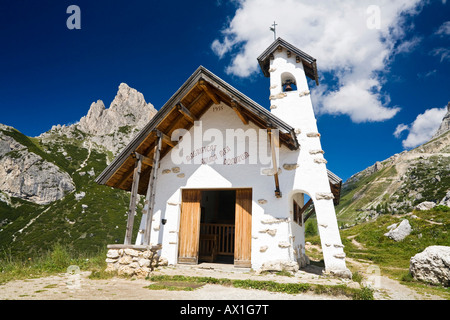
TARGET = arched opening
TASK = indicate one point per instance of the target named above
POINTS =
(301, 208)
(313, 247)
(288, 82)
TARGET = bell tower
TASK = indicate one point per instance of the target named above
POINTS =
(288, 69)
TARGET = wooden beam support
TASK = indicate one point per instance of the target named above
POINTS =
(274, 161)
(238, 111)
(208, 91)
(167, 140)
(309, 215)
(133, 199)
(306, 206)
(151, 190)
(174, 123)
(200, 95)
(145, 160)
(186, 113)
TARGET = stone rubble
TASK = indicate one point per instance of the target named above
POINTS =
(400, 232)
(426, 205)
(133, 262)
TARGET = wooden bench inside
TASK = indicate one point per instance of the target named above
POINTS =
(208, 247)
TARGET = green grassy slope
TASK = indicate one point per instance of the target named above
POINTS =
(366, 245)
(398, 184)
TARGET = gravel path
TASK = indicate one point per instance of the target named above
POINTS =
(80, 287)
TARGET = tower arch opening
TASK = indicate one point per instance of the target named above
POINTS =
(288, 82)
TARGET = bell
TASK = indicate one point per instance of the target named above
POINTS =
(288, 87)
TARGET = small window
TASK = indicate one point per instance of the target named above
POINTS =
(298, 213)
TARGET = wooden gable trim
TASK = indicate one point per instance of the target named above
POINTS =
(239, 112)
(204, 86)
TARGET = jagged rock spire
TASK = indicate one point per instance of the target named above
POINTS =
(127, 109)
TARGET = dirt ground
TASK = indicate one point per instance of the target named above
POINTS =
(80, 287)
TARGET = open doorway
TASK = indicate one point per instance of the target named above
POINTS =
(217, 226)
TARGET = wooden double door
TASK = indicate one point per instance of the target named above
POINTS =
(189, 234)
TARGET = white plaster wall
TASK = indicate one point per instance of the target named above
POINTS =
(242, 175)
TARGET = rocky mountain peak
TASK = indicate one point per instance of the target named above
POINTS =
(110, 128)
(445, 124)
(128, 108)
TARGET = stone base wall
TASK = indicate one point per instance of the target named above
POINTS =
(133, 261)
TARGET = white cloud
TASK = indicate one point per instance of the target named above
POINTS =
(339, 34)
(423, 75)
(408, 45)
(400, 128)
(423, 127)
(443, 53)
(444, 29)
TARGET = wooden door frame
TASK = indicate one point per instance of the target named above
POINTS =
(195, 261)
(243, 229)
(187, 251)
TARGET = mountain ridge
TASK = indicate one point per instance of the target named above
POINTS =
(399, 183)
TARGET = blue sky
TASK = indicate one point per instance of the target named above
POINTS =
(373, 81)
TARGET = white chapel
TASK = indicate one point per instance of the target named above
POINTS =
(225, 180)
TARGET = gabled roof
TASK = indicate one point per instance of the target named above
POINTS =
(309, 63)
(191, 101)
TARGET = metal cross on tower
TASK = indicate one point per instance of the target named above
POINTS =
(272, 28)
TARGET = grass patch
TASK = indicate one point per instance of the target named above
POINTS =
(272, 286)
(175, 286)
(54, 261)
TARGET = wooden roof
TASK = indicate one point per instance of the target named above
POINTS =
(202, 90)
(309, 63)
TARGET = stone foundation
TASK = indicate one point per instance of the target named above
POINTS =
(133, 260)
